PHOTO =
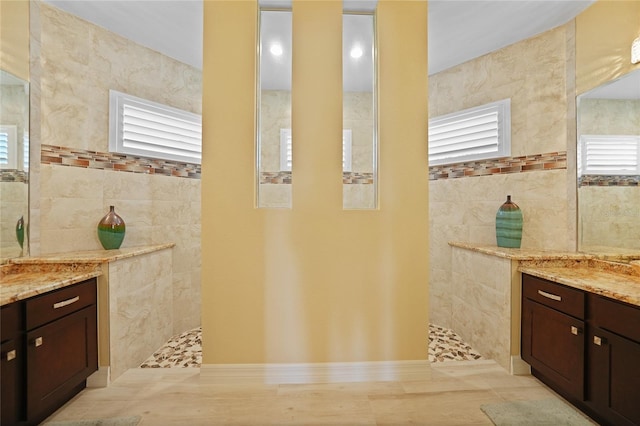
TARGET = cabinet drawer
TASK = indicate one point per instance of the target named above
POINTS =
(56, 304)
(556, 296)
(614, 316)
(10, 321)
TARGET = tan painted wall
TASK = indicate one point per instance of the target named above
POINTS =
(604, 33)
(14, 38)
(314, 283)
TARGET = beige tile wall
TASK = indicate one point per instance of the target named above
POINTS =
(537, 75)
(140, 301)
(609, 216)
(77, 65)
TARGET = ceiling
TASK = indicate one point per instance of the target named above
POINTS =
(459, 30)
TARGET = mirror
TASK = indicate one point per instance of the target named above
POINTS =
(14, 166)
(274, 113)
(608, 119)
(359, 136)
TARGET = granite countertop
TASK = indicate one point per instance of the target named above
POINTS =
(605, 271)
(26, 277)
(19, 283)
(614, 280)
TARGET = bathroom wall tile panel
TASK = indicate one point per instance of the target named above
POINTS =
(129, 186)
(72, 182)
(184, 295)
(358, 196)
(141, 308)
(88, 61)
(275, 196)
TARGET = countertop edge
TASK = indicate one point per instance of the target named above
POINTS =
(91, 256)
(563, 275)
(68, 279)
(519, 253)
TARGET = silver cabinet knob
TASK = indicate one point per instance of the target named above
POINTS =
(11, 355)
(37, 342)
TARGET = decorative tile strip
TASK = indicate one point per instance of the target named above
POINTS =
(527, 163)
(275, 177)
(348, 178)
(605, 180)
(357, 178)
(63, 156)
(14, 175)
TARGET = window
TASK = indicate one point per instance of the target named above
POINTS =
(478, 133)
(149, 129)
(286, 157)
(8, 147)
(609, 155)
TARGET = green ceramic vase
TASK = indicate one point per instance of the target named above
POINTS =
(509, 225)
(111, 230)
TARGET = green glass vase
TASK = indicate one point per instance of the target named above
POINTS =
(111, 230)
(509, 225)
(20, 231)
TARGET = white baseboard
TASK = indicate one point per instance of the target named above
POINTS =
(332, 372)
(519, 367)
(100, 378)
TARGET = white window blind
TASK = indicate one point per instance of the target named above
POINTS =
(286, 157)
(609, 155)
(8, 147)
(478, 133)
(149, 129)
(25, 151)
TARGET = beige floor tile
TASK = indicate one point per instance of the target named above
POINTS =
(178, 396)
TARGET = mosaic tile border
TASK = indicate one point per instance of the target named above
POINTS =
(348, 178)
(603, 180)
(14, 175)
(64, 156)
(527, 163)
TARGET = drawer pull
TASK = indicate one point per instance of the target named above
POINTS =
(550, 295)
(575, 330)
(11, 355)
(66, 302)
(37, 341)
(599, 340)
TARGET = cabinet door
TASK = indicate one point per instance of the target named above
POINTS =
(614, 377)
(60, 356)
(10, 376)
(553, 344)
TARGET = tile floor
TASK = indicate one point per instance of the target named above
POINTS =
(179, 396)
(185, 350)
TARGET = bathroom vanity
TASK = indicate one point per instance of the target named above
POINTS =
(49, 343)
(581, 335)
(51, 305)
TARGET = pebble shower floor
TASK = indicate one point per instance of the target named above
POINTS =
(185, 350)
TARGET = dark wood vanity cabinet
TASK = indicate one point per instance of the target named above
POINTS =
(584, 346)
(11, 364)
(613, 361)
(553, 334)
(57, 340)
